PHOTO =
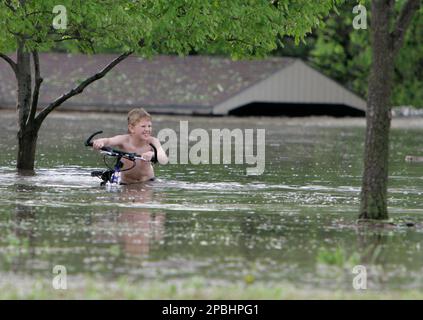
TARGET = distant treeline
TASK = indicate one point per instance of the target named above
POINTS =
(344, 54)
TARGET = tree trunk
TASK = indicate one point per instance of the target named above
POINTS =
(28, 132)
(378, 116)
(27, 142)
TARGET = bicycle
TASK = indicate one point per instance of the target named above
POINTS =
(112, 174)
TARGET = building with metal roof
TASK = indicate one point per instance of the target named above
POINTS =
(206, 85)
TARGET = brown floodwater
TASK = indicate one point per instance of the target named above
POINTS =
(294, 223)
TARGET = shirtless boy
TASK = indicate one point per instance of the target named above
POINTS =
(138, 140)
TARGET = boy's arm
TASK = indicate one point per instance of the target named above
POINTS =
(161, 155)
(116, 141)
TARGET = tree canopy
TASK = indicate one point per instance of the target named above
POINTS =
(344, 54)
(236, 27)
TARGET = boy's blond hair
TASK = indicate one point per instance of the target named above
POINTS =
(136, 115)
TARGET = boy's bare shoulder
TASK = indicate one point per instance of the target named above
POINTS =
(154, 140)
(122, 136)
(119, 140)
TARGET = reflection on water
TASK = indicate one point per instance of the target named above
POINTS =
(23, 235)
(134, 229)
(212, 220)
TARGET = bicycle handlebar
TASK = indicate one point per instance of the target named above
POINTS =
(88, 142)
(113, 152)
(118, 153)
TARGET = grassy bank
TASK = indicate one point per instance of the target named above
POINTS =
(197, 288)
